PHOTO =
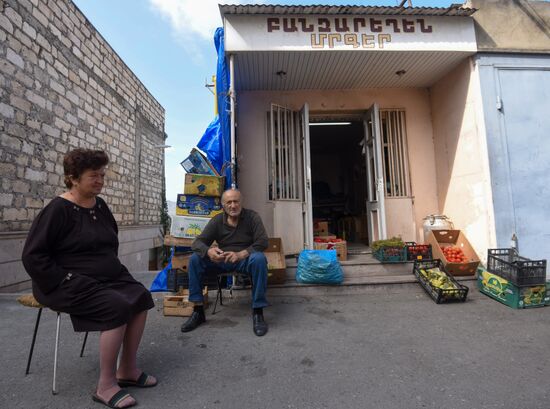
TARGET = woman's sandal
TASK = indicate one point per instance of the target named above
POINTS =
(140, 382)
(115, 399)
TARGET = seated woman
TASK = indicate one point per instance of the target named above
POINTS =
(71, 254)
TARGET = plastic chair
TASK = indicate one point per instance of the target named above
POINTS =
(28, 300)
(219, 277)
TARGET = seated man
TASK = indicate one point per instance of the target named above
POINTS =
(241, 237)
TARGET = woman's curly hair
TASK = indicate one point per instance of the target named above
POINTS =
(79, 160)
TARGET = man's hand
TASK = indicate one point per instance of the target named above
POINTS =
(216, 254)
(234, 257)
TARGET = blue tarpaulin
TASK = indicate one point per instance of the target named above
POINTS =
(216, 140)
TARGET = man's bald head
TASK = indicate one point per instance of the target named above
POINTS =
(231, 202)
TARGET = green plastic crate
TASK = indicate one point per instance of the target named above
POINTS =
(509, 294)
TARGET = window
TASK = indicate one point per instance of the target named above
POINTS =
(283, 156)
(394, 153)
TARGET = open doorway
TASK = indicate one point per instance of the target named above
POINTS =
(339, 180)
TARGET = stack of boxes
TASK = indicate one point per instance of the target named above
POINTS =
(199, 202)
(201, 198)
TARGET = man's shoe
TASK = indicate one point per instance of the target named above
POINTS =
(259, 324)
(196, 319)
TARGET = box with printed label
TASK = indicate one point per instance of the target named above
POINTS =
(203, 185)
(188, 227)
(199, 206)
(509, 294)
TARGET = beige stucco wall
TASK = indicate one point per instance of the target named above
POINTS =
(463, 178)
(251, 140)
(512, 25)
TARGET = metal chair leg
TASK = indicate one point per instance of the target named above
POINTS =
(33, 340)
(54, 389)
(84, 344)
(218, 294)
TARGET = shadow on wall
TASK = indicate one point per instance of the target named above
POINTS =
(448, 101)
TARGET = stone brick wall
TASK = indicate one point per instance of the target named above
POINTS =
(63, 86)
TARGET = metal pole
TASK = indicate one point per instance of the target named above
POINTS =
(232, 97)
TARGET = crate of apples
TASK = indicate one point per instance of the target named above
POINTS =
(454, 254)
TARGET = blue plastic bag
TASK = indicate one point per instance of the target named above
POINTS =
(160, 283)
(319, 267)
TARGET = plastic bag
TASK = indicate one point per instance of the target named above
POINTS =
(160, 283)
(319, 267)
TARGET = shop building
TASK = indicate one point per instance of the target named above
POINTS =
(358, 111)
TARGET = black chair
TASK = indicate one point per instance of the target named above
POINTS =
(219, 279)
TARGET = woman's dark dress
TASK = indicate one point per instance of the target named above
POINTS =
(67, 238)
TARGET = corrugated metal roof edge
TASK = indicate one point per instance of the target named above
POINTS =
(453, 10)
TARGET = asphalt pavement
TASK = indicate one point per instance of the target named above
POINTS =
(392, 348)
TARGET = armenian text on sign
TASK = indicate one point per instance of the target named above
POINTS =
(356, 32)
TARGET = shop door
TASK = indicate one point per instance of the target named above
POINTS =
(290, 177)
(375, 176)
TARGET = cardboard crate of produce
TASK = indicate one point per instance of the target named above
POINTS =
(188, 227)
(442, 238)
(179, 305)
(320, 228)
(341, 247)
(203, 185)
(276, 264)
(509, 294)
(198, 206)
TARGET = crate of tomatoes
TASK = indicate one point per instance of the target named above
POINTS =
(418, 251)
(454, 249)
(390, 251)
(332, 243)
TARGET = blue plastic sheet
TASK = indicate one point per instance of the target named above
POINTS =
(319, 267)
(216, 140)
(160, 283)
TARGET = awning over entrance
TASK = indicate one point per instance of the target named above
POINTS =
(344, 47)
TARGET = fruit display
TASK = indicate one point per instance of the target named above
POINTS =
(389, 251)
(439, 284)
(418, 251)
(454, 254)
(393, 242)
(327, 240)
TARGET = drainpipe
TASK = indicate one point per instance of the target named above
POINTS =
(232, 97)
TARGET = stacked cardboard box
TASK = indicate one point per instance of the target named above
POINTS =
(201, 197)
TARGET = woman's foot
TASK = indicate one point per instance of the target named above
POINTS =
(114, 397)
(136, 378)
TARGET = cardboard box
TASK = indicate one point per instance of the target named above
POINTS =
(443, 238)
(203, 185)
(320, 228)
(198, 206)
(341, 247)
(197, 163)
(188, 227)
(181, 261)
(177, 241)
(276, 263)
(547, 295)
(509, 294)
(179, 305)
